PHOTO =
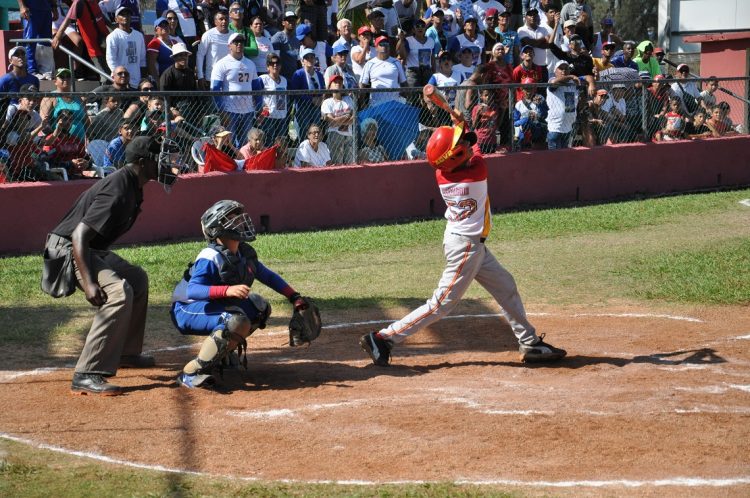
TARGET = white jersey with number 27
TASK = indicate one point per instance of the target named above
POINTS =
(465, 194)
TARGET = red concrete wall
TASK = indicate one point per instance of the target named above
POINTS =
(347, 195)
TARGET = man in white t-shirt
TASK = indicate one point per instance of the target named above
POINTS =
(382, 72)
(126, 47)
(536, 36)
(562, 100)
(235, 73)
(615, 111)
(214, 46)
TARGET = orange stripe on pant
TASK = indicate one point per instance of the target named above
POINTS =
(439, 301)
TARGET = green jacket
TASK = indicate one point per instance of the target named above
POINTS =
(652, 66)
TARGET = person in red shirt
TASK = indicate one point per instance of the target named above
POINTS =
(63, 150)
(484, 119)
(92, 27)
(527, 70)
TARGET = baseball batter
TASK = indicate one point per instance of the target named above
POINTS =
(462, 178)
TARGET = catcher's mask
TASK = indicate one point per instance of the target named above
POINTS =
(227, 220)
(450, 147)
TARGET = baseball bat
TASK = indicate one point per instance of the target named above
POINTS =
(432, 94)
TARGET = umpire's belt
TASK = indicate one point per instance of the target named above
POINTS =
(55, 241)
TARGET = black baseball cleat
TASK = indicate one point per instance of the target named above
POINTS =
(137, 361)
(540, 352)
(378, 349)
(86, 383)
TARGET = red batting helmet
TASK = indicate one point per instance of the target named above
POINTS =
(444, 150)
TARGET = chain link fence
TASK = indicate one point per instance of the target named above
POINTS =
(80, 135)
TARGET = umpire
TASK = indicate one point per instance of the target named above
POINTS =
(118, 289)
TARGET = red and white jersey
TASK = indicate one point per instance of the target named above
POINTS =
(465, 194)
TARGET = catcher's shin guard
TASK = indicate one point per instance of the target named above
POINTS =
(212, 350)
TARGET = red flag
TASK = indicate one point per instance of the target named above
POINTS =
(216, 160)
(263, 161)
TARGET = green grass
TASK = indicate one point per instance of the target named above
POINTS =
(716, 274)
(654, 252)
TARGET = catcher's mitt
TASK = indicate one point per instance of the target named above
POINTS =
(305, 325)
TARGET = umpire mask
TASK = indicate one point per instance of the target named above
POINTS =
(168, 161)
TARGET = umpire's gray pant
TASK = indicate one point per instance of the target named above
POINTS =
(120, 323)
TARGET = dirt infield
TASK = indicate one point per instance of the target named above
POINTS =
(647, 403)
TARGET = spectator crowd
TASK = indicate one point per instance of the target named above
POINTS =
(575, 81)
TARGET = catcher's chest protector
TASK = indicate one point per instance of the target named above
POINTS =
(239, 268)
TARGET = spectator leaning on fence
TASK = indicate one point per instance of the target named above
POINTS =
(687, 91)
(529, 117)
(272, 109)
(674, 127)
(708, 99)
(562, 99)
(64, 150)
(382, 72)
(616, 120)
(697, 127)
(214, 46)
(338, 112)
(126, 46)
(254, 145)
(235, 73)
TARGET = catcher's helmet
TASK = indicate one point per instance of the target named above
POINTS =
(227, 220)
(444, 150)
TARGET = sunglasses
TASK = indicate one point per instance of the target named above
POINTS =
(273, 63)
(147, 88)
(171, 18)
(238, 42)
(316, 132)
(123, 73)
(237, 10)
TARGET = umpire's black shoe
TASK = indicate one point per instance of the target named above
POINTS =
(85, 383)
(378, 349)
(137, 361)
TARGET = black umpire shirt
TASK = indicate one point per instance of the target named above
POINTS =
(109, 207)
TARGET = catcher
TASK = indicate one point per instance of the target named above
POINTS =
(214, 298)
(462, 178)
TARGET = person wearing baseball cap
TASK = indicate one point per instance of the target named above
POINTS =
(159, 49)
(605, 61)
(180, 77)
(383, 71)
(309, 78)
(491, 36)
(562, 101)
(527, 69)
(362, 51)
(126, 46)
(117, 289)
(480, 9)
(606, 35)
(286, 44)
(509, 37)
(340, 67)
(472, 38)
(581, 63)
(17, 74)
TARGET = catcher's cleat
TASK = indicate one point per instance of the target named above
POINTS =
(540, 352)
(194, 381)
(378, 349)
(85, 383)
(137, 361)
